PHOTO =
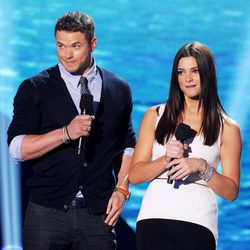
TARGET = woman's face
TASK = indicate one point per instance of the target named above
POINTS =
(189, 77)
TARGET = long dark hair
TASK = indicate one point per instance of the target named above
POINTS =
(208, 99)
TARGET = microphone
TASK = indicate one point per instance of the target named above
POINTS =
(182, 132)
(86, 106)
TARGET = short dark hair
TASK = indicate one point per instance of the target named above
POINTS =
(76, 21)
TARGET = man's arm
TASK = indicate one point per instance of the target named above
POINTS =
(34, 146)
(117, 200)
(15, 148)
(126, 143)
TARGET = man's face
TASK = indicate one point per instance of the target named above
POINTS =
(74, 51)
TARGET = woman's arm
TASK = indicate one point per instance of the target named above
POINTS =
(142, 168)
(226, 184)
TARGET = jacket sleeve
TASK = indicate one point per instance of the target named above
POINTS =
(26, 114)
(127, 135)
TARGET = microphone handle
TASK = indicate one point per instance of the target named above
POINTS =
(83, 112)
(79, 146)
(169, 180)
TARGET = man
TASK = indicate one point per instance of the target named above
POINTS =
(74, 201)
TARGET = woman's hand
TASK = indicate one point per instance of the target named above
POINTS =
(175, 149)
(185, 166)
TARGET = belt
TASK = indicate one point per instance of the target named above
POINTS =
(78, 202)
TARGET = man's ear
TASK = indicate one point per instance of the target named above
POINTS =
(93, 44)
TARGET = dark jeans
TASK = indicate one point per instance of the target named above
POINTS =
(163, 234)
(51, 229)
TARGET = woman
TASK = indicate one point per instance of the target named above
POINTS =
(182, 213)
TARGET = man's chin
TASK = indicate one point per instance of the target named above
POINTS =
(73, 71)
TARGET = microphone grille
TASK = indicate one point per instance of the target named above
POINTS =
(184, 131)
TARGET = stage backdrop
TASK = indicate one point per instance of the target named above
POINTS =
(137, 40)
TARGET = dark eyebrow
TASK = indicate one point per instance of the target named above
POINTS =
(76, 43)
(196, 67)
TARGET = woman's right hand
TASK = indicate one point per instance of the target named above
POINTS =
(175, 149)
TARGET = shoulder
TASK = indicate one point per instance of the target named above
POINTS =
(116, 86)
(155, 111)
(46, 75)
(110, 76)
(152, 114)
(230, 124)
(147, 125)
(42, 77)
(29, 86)
(231, 129)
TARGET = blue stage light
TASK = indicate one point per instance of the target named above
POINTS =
(10, 195)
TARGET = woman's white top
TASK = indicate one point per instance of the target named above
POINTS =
(188, 200)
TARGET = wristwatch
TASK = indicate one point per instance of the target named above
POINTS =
(125, 192)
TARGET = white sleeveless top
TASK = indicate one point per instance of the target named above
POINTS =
(188, 200)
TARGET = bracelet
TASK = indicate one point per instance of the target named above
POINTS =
(66, 128)
(208, 173)
(124, 191)
(64, 137)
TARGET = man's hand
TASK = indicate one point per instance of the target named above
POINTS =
(115, 207)
(80, 126)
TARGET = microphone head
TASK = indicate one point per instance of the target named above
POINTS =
(86, 104)
(184, 131)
